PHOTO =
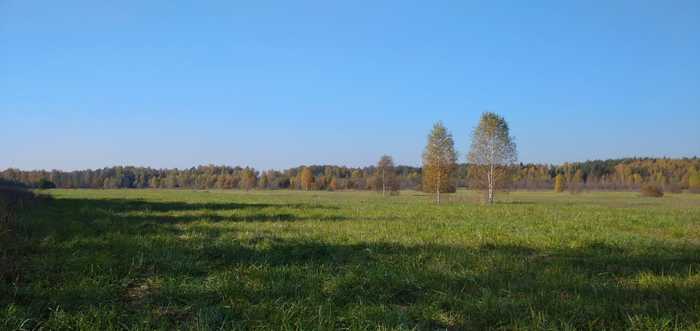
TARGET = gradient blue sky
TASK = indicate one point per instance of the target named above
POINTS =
(86, 84)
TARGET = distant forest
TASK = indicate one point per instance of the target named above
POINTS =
(617, 174)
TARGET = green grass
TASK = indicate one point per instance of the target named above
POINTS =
(141, 259)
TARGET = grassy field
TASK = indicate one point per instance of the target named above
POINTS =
(141, 259)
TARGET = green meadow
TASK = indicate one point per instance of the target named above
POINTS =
(284, 260)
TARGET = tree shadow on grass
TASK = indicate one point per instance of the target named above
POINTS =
(71, 218)
(491, 286)
(130, 205)
(126, 209)
(214, 218)
(158, 275)
(515, 202)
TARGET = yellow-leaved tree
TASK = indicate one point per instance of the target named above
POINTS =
(439, 162)
(559, 185)
(694, 182)
(307, 179)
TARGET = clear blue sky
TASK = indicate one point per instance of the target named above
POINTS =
(86, 84)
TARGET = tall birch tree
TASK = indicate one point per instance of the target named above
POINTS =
(493, 152)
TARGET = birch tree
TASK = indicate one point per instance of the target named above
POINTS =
(439, 161)
(385, 177)
(492, 153)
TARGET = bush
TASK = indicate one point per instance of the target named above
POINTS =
(650, 190)
(45, 184)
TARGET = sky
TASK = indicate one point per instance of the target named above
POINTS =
(89, 84)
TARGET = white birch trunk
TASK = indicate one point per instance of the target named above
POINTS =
(438, 182)
(383, 184)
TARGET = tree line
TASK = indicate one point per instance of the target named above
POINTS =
(491, 165)
(617, 174)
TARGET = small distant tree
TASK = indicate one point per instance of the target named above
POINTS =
(694, 182)
(492, 154)
(576, 182)
(385, 177)
(439, 161)
(559, 183)
(248, 179)
(307, 179)
(333, 185)
(264, 182)
(154, 182)
(319, 183)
